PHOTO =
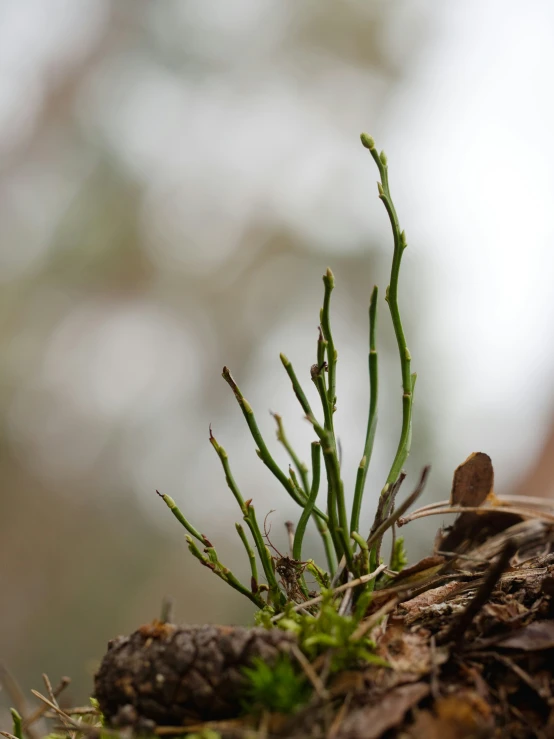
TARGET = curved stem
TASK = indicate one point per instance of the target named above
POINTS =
(249, 515)
(408, 380)
(262, 450)
(224, 573)
(300, 466)
(172, 505)
(251, 558)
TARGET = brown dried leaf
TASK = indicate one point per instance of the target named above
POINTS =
(531, 638)
(461, 716)
(473, 481)
(371, 722)
(406, 652)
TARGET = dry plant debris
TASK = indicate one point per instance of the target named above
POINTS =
(447, 675)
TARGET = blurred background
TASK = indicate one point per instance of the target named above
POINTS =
(175, 179)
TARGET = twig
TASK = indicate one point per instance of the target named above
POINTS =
(310, 673)
(41, 710)
(402, 508)
(335, 726)
(378, 529)
(64, 716)
(525, 676)
(525, 512)
(374, 619)
(456, 631)
(386, 511)
(354, 584)
(347, 600)
(49, 689)
(167, 610)
(76, 711)
(52, 697)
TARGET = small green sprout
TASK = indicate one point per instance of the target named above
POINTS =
(17, 723)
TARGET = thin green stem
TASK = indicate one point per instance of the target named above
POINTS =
(336, 505)
(408, 380)
(251, 558)
(336, 501)
(170, 503)
(233, 487)
(224, 573)
(249, 516)
(296, 484)
(321, 351)
(17, 723)
(321, 523)
(262, 450)
(319, 381)
(332, 508)
(372, 417)
(268, 565)
(320, 431)
(297, 387)
(330, 553)
(307, 512)
(329, 282)
(365, 551)
(300, 466)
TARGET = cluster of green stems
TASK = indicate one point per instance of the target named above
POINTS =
(345, 547)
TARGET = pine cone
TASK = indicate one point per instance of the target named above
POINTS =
(167, 673)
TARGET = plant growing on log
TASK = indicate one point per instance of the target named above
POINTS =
(351, 558)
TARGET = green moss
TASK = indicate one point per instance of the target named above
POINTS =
(279, 687)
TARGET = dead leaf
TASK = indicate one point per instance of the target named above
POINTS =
(461, 716)
(473, 481)
(371, 722)
(406, 652)
(531, 638)
(422, 569)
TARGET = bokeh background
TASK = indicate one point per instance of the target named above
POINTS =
(175, 179)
